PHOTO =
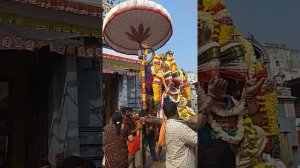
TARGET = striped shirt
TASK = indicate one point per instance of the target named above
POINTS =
(179, 139)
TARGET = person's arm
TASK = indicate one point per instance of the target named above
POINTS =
(252, 106)
(188, 136)
(198, 122)
(251, 89)
(138, 127)
(154, 120)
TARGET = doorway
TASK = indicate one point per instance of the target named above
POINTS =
(110, 95)
(4, 121)
(23, 98)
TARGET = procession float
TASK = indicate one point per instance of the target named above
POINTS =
(136, 26)
(245, 114)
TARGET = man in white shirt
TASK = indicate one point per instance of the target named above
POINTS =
(180, 140)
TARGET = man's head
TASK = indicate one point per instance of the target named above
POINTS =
(126, 111)
(216, 154)
(170, 110)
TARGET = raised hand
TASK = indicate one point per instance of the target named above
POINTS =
(216, 87)
(253, 86)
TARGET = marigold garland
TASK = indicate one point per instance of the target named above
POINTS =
(268, 107)
(215, 15)
(185, 113)
(208, 4)
(249, 57)
(226, 34)
(251, 138)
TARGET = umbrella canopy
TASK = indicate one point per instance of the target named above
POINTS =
(135, 22)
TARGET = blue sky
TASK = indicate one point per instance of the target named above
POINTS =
(184, 39)
(272, 21)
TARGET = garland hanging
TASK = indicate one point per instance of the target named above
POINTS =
(250, 139)
(224, 135)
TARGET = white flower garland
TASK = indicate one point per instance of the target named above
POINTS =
(236, 110)
(173, 100)
(224, 135)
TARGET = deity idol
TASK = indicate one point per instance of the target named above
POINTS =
(165, 81)
(232, 80)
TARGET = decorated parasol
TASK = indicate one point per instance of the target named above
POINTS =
(132, 24)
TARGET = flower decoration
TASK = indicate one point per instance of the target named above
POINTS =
(250, 139)
(239, 133)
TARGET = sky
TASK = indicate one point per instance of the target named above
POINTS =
(270, 21)
(184, 39)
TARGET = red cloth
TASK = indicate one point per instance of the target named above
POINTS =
(134, 145)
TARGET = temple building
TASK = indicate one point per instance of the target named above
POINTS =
(50, 82)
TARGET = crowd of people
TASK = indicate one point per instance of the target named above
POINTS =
(121, 142)
(179, 138)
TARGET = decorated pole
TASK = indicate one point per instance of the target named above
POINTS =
(143, 79)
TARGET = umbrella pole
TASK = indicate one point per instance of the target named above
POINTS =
(143, 67)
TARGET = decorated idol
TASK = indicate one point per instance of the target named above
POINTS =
(166, 82)
(236, 92)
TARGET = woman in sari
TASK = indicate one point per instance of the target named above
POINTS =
(115, 143)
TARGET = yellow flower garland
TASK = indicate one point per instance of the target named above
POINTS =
(226, 34)
(269, 104)
(250, 57)
(250, 138)
(208, 4)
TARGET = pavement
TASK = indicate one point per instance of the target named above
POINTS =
(149, 161)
